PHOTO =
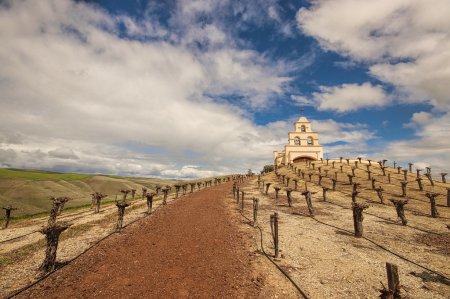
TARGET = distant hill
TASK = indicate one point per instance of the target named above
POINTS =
(30, 190)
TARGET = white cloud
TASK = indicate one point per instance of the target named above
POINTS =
(346, 98)
(405, 42)
(67, 78)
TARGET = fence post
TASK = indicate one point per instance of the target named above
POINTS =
(242, 205)
(255, 210)
(274, 228)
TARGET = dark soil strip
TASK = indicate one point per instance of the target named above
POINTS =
(188, 249)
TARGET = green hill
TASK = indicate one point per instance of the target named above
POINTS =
(30, 190)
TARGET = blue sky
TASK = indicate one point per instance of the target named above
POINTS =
(183, 89)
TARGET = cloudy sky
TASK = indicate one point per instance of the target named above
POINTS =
(182, 89)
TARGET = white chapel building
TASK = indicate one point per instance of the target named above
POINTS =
(303, 145)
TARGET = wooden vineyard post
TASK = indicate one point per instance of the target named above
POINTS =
(325, 189)
(192, 187)
(404, 188)
(8, 210)
(380, 194)
(428, 175)
(398, 203)
(52, 232)
(358, 218)
(242, 202)
(133, 193)
(267, 188)
(255, 210)
(307, 195)
(277, 189)
(432, 197)
(393, 290)
(166, 192)
(237, 195)
(120, 212)
(150, 202)
(289, 198)
(234, 190)
(274, 229)
(98, 199)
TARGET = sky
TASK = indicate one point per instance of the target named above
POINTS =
(189, 89)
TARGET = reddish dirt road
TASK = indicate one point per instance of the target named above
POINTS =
(190, 248)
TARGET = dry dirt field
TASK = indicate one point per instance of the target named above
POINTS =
(320, 254)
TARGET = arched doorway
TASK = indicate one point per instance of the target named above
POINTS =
(303, 159)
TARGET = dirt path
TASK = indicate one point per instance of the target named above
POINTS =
(190, 248)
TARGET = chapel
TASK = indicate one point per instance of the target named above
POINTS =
(303, 145)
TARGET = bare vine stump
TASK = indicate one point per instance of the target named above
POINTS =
(325, 189)
(184, 186)
(419, 181)
(255, 210)
(428, 175)
(120, 212)
(380, 194)
(166, 192)
(443, 174)
(410, 166)
(8, 210)
(274, 229)
(310, 174)
(283, 176)
(177, 189)
(340, 159)
(277, 189)
(199, 185)
(335, 175)
(370, 162)
(98, 200)
(373, 183)
(307, 195)
(320, 179)
(133, 193)
(418, 172)
(399, 168)
(356, 164)
(384, 161)
(319, 169)
(57, 202)
(158, 189)
(125, 192)
(353, 170)
(404, 188)
(334, 184)
(359, 158)
(288, 193)
(287, 181)
(326, 172)
(398, 203)
(333, 164)
(354, 194)
(327, 161)
(52, 233)
(149, 202)
(432, 197)
(368, 167)
(192, 187)
(355, 185)
(394, 164)
(313, 165)
(234, 190)
(393, 291)
(383, 168)
(303, 175)
(267, 188)
(93, 200)
(342, 166)
(348, 161)
(368, 175)
(144, 192)
(350, 178)
(296, 183)
(358, 218)
(405, 174)
(448, 197)
(428, 169)
(389, 178)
